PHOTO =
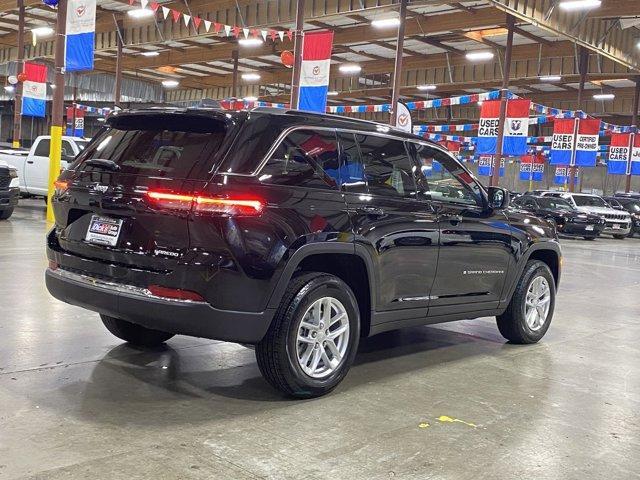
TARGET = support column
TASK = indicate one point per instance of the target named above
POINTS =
(234, 84)
(583, 68)
(57, 107)
(495, 173)
(634, 123)
(117, 89)
(17, 103)
(397, 70)
(297, 55)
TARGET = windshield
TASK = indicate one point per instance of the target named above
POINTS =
(161, 145)
(554, 203)
(589, 201)
(81, 145)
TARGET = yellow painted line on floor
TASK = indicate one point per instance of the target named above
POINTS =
(445, 419)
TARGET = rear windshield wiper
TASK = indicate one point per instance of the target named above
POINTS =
(103, 163)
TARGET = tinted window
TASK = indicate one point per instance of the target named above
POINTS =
(555, 203)
(157, 145)
(444, 179)
(589, 201)
(352, 173)
(67, 149)
(388, 170)
(42, 150)
(304, 158)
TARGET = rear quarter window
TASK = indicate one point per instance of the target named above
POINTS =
(163, 145)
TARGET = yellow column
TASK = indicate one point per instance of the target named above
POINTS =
(55, 157)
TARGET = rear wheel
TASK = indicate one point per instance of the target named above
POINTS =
(529, 313)
(4, 214)
(620, 237)
(133, 333)
(313, 337)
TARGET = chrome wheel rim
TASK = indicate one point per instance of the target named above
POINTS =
(537, 304)
(322, 337)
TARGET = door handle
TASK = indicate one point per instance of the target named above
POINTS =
(454, 219)
(30, 161)
(373, 211)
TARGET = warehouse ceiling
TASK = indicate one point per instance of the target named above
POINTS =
(439, 34)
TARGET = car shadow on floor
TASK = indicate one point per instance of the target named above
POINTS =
(220, 380)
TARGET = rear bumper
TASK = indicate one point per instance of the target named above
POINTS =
(9, 197)
(580, 229)
(624, 228)
(198, 319)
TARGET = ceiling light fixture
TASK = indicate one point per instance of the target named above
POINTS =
(550, 78)
(140, 13)
(251, 76)
(604, 96)
(426, 87)
(9, 88)
(332, 93)
(43, 31)
(150, 54)
(250, 42)
(480, 55)
(350, 68)
(573, 5)
(250, 99)
(170, 83)
(385, 22)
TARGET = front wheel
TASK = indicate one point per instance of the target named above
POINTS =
(528, 316)
(133, 333)
(313, 337)
(4, 214)
(620, 237)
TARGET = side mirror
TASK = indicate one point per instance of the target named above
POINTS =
(499, 198)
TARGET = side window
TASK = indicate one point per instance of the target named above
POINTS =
(449, 182)
(42, 150)
(67, 149)
(306, 159)
(529, 203)
(388, 169)
(352, 173)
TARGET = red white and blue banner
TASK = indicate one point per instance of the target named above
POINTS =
(624, 154)
(561, 176)
(34, 90)
(314, 72)
(403, 118)
(485, 163)
(80, 37)
(515, 128)
(575, 142)
(532, 168)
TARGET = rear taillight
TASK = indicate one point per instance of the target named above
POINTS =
(235, 206)
(175, 293)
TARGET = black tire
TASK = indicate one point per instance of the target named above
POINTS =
(276, 352)
(4, 214)
(589, 238)
(512, 323)
(133, 333)
(620, 237)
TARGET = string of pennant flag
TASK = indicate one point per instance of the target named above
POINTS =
(217, 27)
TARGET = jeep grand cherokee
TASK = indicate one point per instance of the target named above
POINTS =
(299, 233)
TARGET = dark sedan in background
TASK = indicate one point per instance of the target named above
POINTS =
(630, 204)
(568, 220)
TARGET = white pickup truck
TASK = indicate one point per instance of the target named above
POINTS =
(33, 164)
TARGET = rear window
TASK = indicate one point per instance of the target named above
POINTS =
(167, 145)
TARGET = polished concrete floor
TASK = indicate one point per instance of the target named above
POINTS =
(446, 402)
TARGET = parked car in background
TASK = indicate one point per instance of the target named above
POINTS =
(297, 232)
(568, 219)
(617, 222)
(634, 195)
(33, 164)
(9, 189)
(630, 205)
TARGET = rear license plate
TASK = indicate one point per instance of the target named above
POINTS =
(589, 228)
(103, 231)
(616, 226)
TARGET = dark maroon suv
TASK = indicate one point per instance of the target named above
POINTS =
(296, 232)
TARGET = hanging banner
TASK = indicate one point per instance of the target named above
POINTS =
(78, 128)
(587, 142)
(563, 141)
(34, 90)
(532, 168)
(80, 37)
(561, 174)
(488, 128)
(69, 124)
(624, 154)
(516, 127)
(403, 118)
(485, 163)
(314, 72)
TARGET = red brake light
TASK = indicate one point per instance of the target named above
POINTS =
(206, 204)
(175, 293)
